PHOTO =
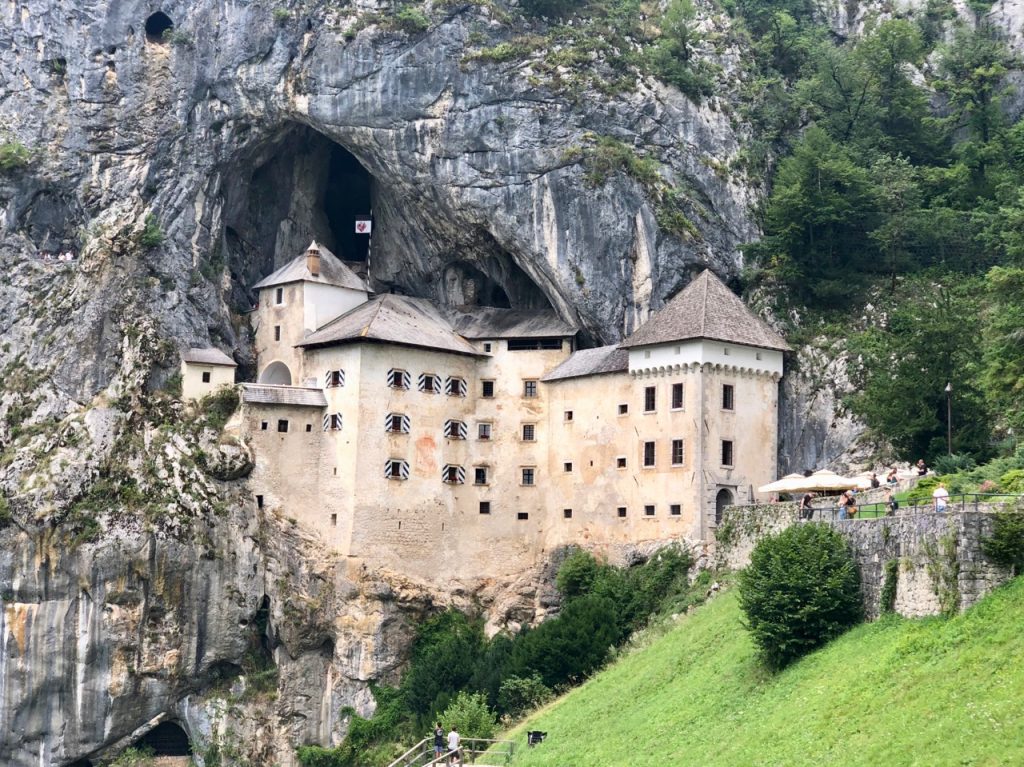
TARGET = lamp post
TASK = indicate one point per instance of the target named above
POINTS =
(949, 418)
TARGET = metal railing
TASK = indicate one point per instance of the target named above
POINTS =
(987, 502)
(423, 755)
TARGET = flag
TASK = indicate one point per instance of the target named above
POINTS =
(363, 225)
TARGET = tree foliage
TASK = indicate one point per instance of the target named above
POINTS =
(470, 715)
(800, 590)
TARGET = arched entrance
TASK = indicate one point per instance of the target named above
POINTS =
(276, 373)
(723, 499)
(167, 739)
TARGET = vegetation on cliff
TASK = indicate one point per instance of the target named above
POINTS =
(895, 692)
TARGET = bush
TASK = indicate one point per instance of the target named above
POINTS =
(6, 517)
(949, 464)
(801, 590)
(471, 716)
(519, 695)
(551, 8)
(218, 406)
(1012, 481)
(1006, 544)
(317, 756)
(410, 20)
(132, 757)
(151, 235)
(14, 156)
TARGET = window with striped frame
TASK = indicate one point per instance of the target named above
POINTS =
(396, 468)
(455, 386)
(399, 379)
(455, 429)
(453, 475)
(396, 423)
(334, 379)
(332, 421)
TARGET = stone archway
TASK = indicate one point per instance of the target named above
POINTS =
(723, 499)
(276, 374)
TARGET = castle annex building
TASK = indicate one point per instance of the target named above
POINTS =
(467, 441)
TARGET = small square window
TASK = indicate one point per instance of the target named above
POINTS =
(528, 476)
(264, 425)
(623, 409)
(567, 466)
(757, 355)
(675, 510)
(621, 511)
(567, 513)
(649, 454)
(650, 399)
(725, 351)
(677, 452)
(259, 501)
(277, 332)
(334, 520)
(529, 432)
(727, 452)
(529, 388)
(309, 427)
(568, 415)
(279, 296)
(649, 510)
(522, 515)
(487, 388)
(282, 425)
(480, 475)
(483, 431)
(620, 462)
(677, 396)
(647, 354)
(206, 376)
(487, 346)
(728, 393)
(485, 507)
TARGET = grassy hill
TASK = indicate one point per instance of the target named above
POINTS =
(896, 692)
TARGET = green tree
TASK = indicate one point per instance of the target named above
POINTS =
(471, 716)
(800, 590)
(899, 196)
(1003, 376)
(671, 57)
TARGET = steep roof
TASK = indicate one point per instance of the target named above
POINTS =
(487, 322)
(267, 394)
(393, 319)
(706, 308)
(207, 356)
(332, 272)
(588, 362)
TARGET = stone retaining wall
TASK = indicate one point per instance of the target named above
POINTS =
(935, 559)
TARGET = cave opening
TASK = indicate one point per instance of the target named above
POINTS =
(346, 202)
(166, 739)
(157, 25)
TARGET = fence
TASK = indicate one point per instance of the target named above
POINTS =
(989, 502)
(470, 749)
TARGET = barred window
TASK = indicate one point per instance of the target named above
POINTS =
(650, 399)
(675, 509)
(649, 454)
(529, 475)
(677, 452)
(529, 432)
(529, 388)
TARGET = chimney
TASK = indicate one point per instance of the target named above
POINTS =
(313, 260)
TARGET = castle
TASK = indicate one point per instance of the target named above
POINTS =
(466, 442)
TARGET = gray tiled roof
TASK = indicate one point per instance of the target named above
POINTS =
(589, 362)
(393, 319)
(332, 272)
(265, 394)
(207, 356)
(486, 322)
(706, 308)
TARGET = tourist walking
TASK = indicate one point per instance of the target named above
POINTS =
(847, 505)
(454, 741)
(806, 510)
(438, 742)
(940, 497)
(891, 504)
(921, 468)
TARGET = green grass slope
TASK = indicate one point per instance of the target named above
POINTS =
(896, 692)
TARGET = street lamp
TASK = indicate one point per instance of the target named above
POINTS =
(949, 418)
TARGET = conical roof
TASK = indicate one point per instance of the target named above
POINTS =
(706, 308)
(332, 272)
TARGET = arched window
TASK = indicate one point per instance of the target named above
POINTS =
(723, 499)
(277, 374)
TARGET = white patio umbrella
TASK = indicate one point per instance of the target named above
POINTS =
(824, 480)
(787, 484)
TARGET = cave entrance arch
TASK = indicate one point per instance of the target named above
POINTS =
(276, 374)
(723, 499)
(167, 739)
(157, 26)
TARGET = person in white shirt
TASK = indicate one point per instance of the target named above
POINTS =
(453, 745)
(940, 497)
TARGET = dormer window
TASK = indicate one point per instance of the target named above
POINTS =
(398, 379)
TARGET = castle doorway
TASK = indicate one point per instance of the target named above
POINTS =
(276, 374)
(723, 499)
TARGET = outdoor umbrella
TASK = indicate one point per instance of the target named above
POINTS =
(788, 484)
(824, 480)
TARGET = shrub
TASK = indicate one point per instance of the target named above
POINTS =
(132, 757)
(410, 20)
(950, 464)
(1006, 544)
(1012, 481)
(521, 694)
(801, 590)
(6, 517)
(14, 156)
(281, 15)
(471, 716)
(317, 756)
(218, 406)
(151, 235)
(551, 8)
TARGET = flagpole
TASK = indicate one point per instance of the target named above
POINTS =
(369, 245)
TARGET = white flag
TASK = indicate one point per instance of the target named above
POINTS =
(363, 225)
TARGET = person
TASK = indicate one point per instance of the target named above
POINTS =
(453, 745)
(891, 504)
(874, 480)
(806, 510)
(921, 468)
(892, 478)
(851, 504)
(438, 742)
(940, 497)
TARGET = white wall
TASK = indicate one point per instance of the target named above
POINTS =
(700, 351)
(322, 303)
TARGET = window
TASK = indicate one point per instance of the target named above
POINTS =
(757, 355)
(206, 376)
(455, 387)
(566, 513)
(522, 516)
(334, 520)
(277, 332)
(453, 475)
(727, 396)
(528, 476)
(727, 452)
(396, 468)
(264, 425)
(650, 399)
(647, 354)
(621, 511)
(279, 296)
(623, 409)
(677, 452)
(677, 396)
(259, 501)
(282, 425)
(567, 466)
(483, 431)
(396, 423)
(455, 429)
(725, 350)
(480, 475)
(398, 379)
(649, 510)
(332, 421)
(309, 427)
(675, 510)
(568, 415)
(334, 379)
(649, 455)
(429, 383)
(620, 462)
(529, 432)
(529, 388)
(487, 346)
(485, 507)
(533, 344)
(487, 389)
